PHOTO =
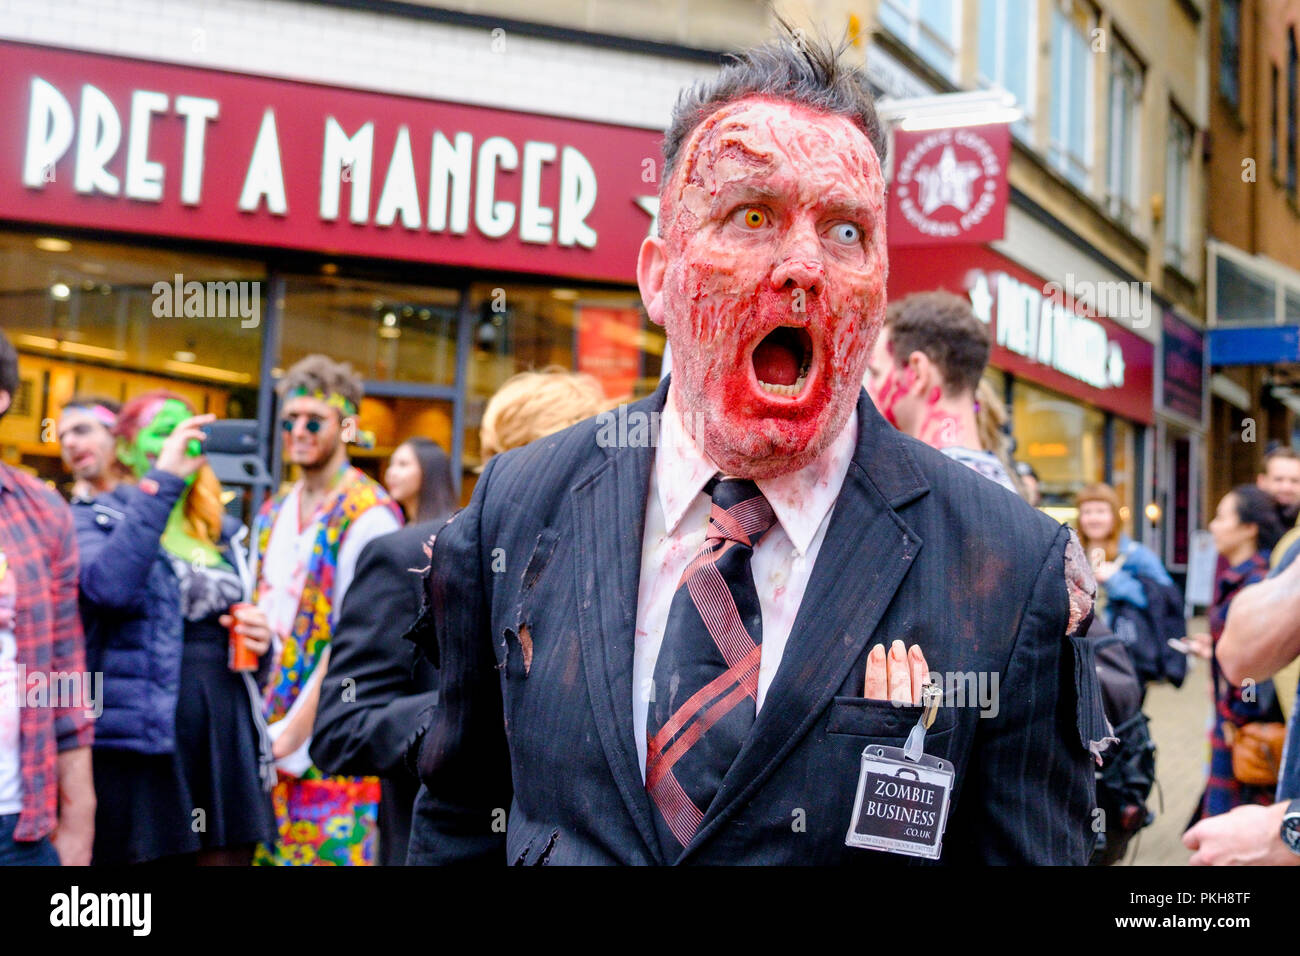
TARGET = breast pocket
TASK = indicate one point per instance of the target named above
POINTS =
(882, 720)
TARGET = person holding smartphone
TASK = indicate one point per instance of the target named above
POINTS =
(182, 755)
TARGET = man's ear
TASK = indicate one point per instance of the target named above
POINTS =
(651, 264)
(920, 377)
(5, 401)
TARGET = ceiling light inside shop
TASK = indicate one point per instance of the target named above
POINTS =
(390, 319)
(566, 295)
(92, 351)
(207, 371)
(389, 333)
(51, 244)
(329, 269)
(184, 356)
(60, 291)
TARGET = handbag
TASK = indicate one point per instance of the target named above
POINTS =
(1256, 751)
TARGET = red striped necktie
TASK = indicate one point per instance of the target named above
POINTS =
(705, 687)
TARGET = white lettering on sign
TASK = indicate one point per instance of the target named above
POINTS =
(449, 175)
(494, 217)
(198, 112)
(1047, 332)
(399, 193)
(98, 137)
(346, 159)
(466, 179)
(577, 198)
(49, 133)
(265, 172)
(144, 177)
(534, 218)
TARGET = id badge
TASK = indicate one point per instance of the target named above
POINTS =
(902, 804)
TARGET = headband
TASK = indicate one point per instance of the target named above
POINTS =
(100, 413)
(333, 399)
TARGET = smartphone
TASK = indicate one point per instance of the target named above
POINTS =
(230, 436)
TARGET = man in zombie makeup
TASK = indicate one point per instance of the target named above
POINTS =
(923, 374)
(677, 651)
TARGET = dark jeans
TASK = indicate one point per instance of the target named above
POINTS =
(12, 853)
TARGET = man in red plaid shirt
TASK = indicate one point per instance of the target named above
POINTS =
(47, 797)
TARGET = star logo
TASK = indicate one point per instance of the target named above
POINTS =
(650, 206)
(981, 300)
(1115, 366)
(946, 183)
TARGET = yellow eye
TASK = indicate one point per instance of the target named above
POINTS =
(754, 218)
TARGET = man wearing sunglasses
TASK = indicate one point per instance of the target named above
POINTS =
(308, 542)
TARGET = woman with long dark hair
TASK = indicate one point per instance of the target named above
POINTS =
(419, 479)
(1245, 529)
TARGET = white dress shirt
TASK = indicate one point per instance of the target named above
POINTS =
(676, 519)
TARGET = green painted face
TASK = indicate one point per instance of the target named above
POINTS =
(141, 454)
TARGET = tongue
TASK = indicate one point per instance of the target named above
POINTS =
(775, 364)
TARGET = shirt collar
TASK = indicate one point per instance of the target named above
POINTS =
(801, 499)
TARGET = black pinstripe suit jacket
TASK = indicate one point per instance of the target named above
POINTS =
(531, 611)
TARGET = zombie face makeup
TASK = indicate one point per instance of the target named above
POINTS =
(886, 382)
(769, 280)
(143, 451)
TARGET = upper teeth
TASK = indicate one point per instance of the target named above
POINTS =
(789, 391)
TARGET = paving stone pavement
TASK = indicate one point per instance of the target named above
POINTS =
(1179, 727)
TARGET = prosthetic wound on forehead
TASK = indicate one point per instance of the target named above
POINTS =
(769, 279)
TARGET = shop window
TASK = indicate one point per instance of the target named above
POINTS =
(1178, 193)
(518, 327)
(117, 320)
(400, 335)
(1063, 440)
(1008, 37)
(1070, 149)
(1243, 296)
(932, 28)
(1125, 139)
(389, 332)
(1123, 468)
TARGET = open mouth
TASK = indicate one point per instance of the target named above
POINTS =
(782, 361)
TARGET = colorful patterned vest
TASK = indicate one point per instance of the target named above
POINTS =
(321, 820)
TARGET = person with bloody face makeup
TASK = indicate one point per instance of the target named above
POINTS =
(674, 650)
(923, 374)
(181, 740)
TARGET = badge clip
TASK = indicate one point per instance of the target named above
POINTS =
(902, 799)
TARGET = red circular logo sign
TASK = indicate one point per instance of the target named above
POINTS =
(949, 185)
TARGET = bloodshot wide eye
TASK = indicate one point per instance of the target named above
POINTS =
(782, 360)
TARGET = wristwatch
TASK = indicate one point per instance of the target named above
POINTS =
(1291, 826)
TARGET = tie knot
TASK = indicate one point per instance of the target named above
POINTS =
(740, 512)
